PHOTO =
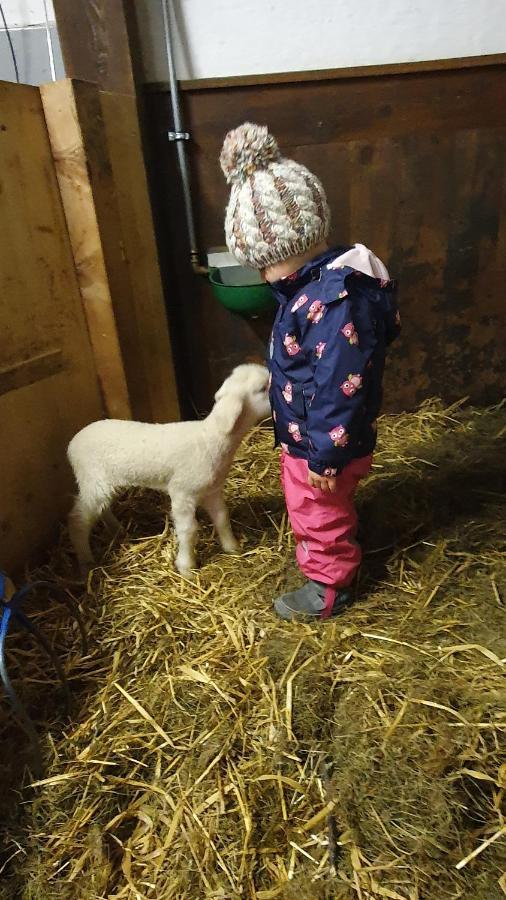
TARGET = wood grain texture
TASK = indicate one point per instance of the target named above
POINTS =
(95, 42)
(413, 165)
(151, 350)
(42, 325)
(113, 215)
(99, 45)
(28, 371)
(72, 172)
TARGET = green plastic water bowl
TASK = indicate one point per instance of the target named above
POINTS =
(245, 299)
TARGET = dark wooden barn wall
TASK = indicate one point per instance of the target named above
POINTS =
(414, 167)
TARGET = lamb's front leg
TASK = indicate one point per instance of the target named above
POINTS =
(215, 505)
(185, 523)
(112, 524)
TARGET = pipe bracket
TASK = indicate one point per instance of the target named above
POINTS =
(178, 135)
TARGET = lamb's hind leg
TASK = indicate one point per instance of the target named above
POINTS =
(82, 517)
(216, 507)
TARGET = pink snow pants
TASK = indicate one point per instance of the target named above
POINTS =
(324, 525)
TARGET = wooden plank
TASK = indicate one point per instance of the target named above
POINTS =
(377, 71)
(359, 108)
(115, 247)
(100, 44)
(72, 172)
(28, 371)
(94, 37)
(42, 322)
(153, 349)
(130, 320)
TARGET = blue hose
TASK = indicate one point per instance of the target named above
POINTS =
(16, 704)
(12, 609)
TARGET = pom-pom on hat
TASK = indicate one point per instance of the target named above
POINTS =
(277, 207)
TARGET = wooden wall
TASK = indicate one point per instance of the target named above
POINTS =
(73, 171)
(99, 48)
(413, 160)
(48, 382)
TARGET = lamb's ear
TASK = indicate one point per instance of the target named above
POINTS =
(228, 410)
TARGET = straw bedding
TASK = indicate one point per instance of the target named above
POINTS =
(216, 752)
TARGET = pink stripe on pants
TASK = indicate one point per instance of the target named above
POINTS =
(324, 525)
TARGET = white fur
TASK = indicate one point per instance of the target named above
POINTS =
(187, 460)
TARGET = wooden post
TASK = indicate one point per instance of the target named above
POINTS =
(96, 39)
(152, 358)
(73, 178)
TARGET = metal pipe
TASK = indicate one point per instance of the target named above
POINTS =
(180, 137)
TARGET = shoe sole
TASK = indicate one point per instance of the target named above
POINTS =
(289, 615)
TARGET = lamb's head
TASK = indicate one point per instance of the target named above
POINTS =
(243, 399)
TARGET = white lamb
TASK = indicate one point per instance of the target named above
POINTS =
(187, 460)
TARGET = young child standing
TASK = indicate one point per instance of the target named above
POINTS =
(337, 314)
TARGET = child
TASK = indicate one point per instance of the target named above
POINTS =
(337, 314)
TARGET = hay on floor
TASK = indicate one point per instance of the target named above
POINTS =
(216, 752)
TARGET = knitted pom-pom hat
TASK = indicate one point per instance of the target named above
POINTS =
(277, 207)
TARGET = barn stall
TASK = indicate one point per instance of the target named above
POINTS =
(210, 750)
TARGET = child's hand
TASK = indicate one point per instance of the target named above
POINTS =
(327, 484)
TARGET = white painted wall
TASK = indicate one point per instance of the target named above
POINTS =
(244, 37)
(31, 42)
(27, 13)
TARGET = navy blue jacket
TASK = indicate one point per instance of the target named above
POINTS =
(327, 356)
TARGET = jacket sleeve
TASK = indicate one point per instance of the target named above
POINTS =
(336, 412)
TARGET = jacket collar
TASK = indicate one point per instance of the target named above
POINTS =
(286, 288)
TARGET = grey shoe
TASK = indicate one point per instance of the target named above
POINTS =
(312, 601)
